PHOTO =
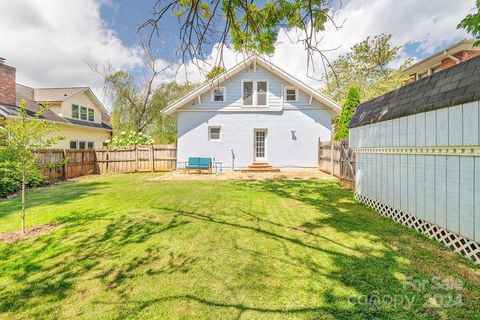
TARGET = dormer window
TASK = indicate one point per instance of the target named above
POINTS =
(91, 115)
(218, 94)
(83, 113)
(291, 94)
(255, 93)
(75, 111)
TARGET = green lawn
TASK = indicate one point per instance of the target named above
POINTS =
(132, 248)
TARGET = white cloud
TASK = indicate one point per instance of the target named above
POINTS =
(429, 24)
(49, 42)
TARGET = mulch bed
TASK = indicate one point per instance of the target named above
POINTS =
(32, 232)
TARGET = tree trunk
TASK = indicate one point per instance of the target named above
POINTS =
(23, 203)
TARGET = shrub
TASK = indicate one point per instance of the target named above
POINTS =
(352, 100)
(10, 180)
(130, 139)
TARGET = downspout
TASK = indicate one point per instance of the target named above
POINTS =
(457, 61)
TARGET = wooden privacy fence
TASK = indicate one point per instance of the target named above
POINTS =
(337, 159)
(154, 158)
(60, 164)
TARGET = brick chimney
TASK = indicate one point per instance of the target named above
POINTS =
(7, 83)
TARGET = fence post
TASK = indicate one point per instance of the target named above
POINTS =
(136, 158)
(152, 163)
(332, 155)
(64, 160)
(319, 153)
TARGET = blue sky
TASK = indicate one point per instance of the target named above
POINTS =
(50, 41)
(125, 16)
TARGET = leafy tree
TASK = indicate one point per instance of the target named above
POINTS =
(366, 67)
(471, 23)
(247, 26)
(215, 72)
(164, 128)
(352, 100)
(131, 113)
(133, 100)
(25, 135)
(138, 103)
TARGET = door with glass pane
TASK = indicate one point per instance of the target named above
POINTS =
(260, 145)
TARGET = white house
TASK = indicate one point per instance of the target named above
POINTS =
(254, 113)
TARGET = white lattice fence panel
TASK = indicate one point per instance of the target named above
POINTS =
(458, 243)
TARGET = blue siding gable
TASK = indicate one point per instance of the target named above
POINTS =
(233, 94)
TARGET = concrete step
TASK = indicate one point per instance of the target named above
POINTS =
(259, 170)
(260, 164)
(259, 167)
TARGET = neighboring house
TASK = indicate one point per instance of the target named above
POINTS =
(254, 113)
(461, 51)
(81, 118)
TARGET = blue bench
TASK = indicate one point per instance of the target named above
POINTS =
(199, 164)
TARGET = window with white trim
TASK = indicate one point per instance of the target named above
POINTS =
(255, 93)
(83, 113)
(218, 94)
(91, 115)
(261, 93)
(291, 94)
(247, 93)
(75, 144)
(214, 133)
(75, 111)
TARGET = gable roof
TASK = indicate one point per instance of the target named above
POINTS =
(28, 94)
(436, 58)
(171, 109)
(456, 85)
(56, 94)
(62, 94)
